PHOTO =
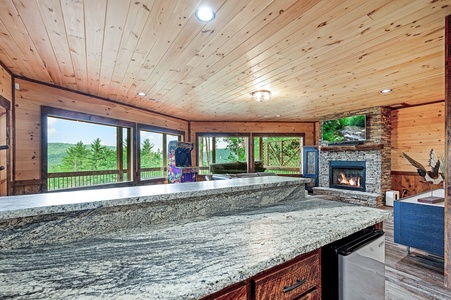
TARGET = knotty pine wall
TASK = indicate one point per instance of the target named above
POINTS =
(5, 84)
(415, 131)
(5, 125)
(28, 101)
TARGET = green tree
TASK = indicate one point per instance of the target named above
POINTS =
(156, 159)
(100, 157)
(237, 147)
(76, 158)
(146, 154)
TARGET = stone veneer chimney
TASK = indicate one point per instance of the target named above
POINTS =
(378, 159)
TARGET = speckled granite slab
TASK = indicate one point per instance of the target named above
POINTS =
(179, 260)
(67, 216)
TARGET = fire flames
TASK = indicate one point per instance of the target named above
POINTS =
(353, 181)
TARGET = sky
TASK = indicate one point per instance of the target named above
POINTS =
(67, 131)
(71, 132)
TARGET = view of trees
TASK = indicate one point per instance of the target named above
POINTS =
(233, 150)
(276, 151)
(79, 163)
(237, 147)
(82, 157)
(149, 157)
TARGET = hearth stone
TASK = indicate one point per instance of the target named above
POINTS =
(354, 197)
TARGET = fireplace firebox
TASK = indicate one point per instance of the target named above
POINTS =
(349, 175)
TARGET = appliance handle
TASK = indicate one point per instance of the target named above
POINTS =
(358, 243)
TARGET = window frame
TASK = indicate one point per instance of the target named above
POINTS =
(225, 134)
(155, 129)
(285, 134)
(47, 111)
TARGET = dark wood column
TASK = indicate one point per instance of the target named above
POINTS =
(448, 151)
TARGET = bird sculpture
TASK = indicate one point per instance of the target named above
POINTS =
(432, 176)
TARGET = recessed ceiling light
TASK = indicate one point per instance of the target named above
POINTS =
(277, 116)
(205, 14)
(386, 91)
(142, 94)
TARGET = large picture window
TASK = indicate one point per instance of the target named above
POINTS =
(228, 153)
(80, 153)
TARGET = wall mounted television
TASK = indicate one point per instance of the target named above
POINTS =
(348, 130)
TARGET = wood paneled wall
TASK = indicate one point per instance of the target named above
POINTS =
(28, 101)
(5, 84)
(415, 131)
(6, 93)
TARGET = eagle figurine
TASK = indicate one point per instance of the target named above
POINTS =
(432, 176)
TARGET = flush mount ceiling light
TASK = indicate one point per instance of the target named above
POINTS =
(386, 91)
(142, 94)
(261, 95)
(205, 14)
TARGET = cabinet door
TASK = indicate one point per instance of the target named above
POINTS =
(290, 282)
(239, 292)
(312, 295)
(236, 294)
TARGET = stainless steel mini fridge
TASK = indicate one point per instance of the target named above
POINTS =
(361, 268)
(354, 268)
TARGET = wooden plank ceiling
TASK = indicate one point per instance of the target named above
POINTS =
(316, 57)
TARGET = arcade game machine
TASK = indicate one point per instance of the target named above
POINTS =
(180, 168)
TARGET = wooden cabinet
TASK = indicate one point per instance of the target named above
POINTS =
(295, 279)
(313, 295)
(235, 294)
(299, 278)
(238, 291)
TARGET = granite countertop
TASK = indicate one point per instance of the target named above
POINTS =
(186, 259)
(63, 202)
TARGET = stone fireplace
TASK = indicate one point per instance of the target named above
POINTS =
(370, 161)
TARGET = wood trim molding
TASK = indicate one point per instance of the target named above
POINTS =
(363, 147)
(405, 173)
(447, 255)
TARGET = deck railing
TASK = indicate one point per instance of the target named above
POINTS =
(68, 180)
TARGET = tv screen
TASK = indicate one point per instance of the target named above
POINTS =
(345, 130)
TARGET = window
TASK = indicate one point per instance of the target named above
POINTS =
(153, 153)
(278, 153)
(79, 153)
(225, 153)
